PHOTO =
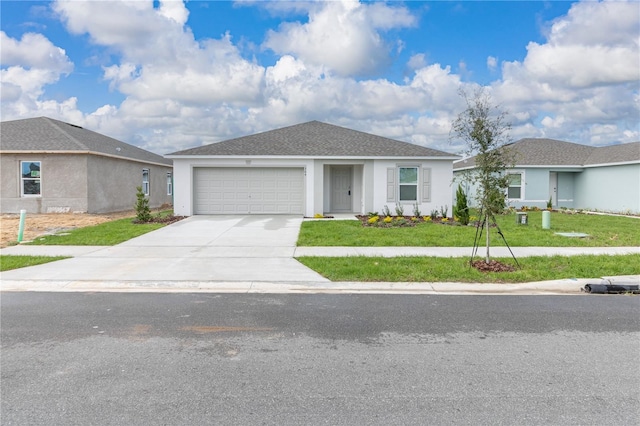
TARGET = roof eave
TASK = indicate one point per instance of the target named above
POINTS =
(99, 154)
(311, 157)
(620, 163)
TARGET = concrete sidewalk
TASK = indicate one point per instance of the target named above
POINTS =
(160, 274)
(271, 251)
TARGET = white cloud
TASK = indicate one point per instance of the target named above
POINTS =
(344, 36)
(33, 51)
(417, 61)
(180, 92)
(137, 30)
(28, 65)
(585, 75)
(594, 44)
(492, 63)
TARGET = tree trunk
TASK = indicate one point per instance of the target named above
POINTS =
(486, 222)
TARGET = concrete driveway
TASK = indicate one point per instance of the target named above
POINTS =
(199, 248)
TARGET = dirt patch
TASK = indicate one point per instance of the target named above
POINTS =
(44, 224)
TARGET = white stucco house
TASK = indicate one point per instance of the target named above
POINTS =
(310, 168)
(571, 175)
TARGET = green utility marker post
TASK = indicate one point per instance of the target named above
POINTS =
(23, 215)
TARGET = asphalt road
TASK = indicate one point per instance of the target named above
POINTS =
(193, 359)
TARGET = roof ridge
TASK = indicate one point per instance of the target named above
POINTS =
(54, 123)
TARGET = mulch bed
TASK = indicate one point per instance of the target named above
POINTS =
(164, 219)
(492, 266)
(364, 219)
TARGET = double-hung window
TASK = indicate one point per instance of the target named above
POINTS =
(514, 191)
(145, 181)
(408, 183)
(30, 179)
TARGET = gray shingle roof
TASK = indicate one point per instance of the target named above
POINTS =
(615, 154)
(314, 139)
(45, 134)
(551, 152)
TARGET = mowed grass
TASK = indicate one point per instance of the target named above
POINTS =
(603, 231)
(432, 269)
(8, 263)
(104, 234)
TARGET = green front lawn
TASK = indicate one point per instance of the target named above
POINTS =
(14, 262)
(439, 269)
(604, 231)
(104, 234)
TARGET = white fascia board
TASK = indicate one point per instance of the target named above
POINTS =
(298, 157)
(527, 166)
(621, 163)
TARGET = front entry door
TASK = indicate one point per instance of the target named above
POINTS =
(553, 188)
(341, 189)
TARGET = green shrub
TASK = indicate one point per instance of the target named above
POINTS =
(461, 209)
(143, 212)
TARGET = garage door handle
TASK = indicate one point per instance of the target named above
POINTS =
(349, 192)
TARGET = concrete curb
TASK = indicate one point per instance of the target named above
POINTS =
(573, 286)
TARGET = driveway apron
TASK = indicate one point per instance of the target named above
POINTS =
(199, 248)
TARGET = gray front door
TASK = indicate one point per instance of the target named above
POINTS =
(341, 189)
(553, 188)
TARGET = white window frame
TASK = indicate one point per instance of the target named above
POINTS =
(416, 184)
(521, 186)
(145, 181)
(23, 179)
(169, 184)
(423, 186)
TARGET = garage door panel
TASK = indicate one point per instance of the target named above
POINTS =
(248, 190)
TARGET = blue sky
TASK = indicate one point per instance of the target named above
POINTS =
(171, 75)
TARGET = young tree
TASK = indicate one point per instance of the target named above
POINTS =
(143, 212)
(485, 129)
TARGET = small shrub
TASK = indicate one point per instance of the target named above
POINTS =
(373, 220)
(385, 211)
(143, 212)
(416, 210)
(427, 219)
(399, 209)
(434, 214)
(387, 219)
(415, 219)
(444, 219)
(401, 221)
(444, 210)
(318, 216)
(372, 214)
(550, 203)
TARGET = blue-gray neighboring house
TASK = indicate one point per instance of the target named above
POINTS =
(574, 176)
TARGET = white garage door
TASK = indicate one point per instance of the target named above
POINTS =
(248, 190)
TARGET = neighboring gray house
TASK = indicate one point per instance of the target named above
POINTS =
(307, 169)
(48, 166)
(571, 175)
